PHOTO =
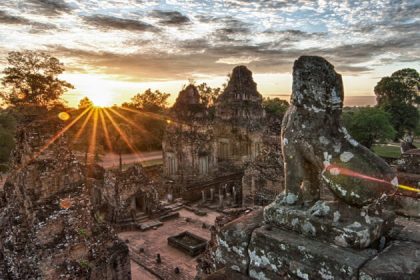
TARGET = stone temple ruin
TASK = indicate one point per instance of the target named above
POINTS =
(240, 196)
(234, 155)
(125, 198)
(334, 220)
(48, 229)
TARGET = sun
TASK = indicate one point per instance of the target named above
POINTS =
(101, 98)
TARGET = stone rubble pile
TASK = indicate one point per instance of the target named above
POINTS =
(48, 229)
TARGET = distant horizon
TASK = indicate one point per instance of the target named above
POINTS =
(349, 101)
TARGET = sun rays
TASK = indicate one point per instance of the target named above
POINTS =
(104, 119)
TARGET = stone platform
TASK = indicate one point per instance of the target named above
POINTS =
(331, 221)
(253, 249)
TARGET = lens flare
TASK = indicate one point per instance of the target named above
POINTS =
(64, 116)
(337, 170)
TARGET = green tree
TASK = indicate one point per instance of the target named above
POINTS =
(275, 107)
(150, 101)
(85, 103)
(32, 79)
(399, 95)
(368, 125)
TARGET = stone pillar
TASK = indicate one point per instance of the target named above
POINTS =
(203, 196)
(211, 194)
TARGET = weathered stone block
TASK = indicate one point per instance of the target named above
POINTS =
(280, 254)
(331, 221)
(233, 241)
(401, 260)
(406, 230)
(407, 206)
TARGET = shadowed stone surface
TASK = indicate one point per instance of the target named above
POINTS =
(406, 230)
(317, 148)
(277, 253)
(234, 239)
(401, 260)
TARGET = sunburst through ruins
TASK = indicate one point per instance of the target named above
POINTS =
(180, 140)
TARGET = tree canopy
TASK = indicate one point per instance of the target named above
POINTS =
(32, 79)
(399, 95)
(85, 102)
(368, 125)
(275, 107)
(150, 101)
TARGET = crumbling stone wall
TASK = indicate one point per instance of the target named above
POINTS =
(47, 225)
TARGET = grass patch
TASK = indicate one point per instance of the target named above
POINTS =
(384, 150)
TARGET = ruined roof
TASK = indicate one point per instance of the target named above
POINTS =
(188, 104)
(240, 102)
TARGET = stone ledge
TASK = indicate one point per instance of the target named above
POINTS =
(278, 253)
(331, 221)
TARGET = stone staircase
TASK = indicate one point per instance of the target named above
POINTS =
(128, 222)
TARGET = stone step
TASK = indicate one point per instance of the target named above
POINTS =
(401, 260)
(302, 257)
(139, 218)
(149, 225)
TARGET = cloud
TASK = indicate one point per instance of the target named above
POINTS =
(237, 60)
(10, 19)
(109, 22)
(35, 27)
(170, 17)
(49, 7)
(209, 38)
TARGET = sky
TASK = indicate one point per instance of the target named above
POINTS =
(117, 48)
